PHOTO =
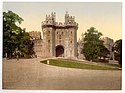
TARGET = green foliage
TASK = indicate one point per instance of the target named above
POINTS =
(14, 37)
(118, 51)
(93, 46)
(25, 45)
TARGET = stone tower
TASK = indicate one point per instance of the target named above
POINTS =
(59, 39)
(49, 35)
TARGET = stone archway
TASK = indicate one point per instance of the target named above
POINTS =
(59, 51)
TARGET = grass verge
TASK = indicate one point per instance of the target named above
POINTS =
(77, 64)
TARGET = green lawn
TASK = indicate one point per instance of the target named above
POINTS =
(80, 65)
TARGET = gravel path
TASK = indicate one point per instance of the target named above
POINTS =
(31, 74)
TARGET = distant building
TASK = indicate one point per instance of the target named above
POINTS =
(80, 47)
(59, 39)
(108, 43)
(35, 34)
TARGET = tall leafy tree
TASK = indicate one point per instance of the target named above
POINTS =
(10, 31)
(118, 50)
(15, 37)
(93, 46)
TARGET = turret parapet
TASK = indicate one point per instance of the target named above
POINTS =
(69, 19)
(35, 35)
(51, 21)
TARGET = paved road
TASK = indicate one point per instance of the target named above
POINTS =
(31, 74)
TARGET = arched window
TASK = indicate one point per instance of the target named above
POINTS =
(71, 32)
(48, 41)
(59, 36)
(48, 32)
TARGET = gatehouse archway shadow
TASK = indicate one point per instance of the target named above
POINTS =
(59, 51)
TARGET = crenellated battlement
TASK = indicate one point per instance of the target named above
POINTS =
(35, 35)
(51, 21)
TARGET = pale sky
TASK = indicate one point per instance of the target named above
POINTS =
(105, 17)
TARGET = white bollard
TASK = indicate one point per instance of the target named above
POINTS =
(47, 61)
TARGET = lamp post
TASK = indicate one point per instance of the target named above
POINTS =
(113, 55)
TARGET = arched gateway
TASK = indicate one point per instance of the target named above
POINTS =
(59, 51)
(59, 38)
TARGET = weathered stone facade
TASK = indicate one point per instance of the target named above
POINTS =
(80, 47)
(59, 39)
(35, 34)
(108, 43)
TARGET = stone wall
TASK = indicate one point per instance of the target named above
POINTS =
(57, 34)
